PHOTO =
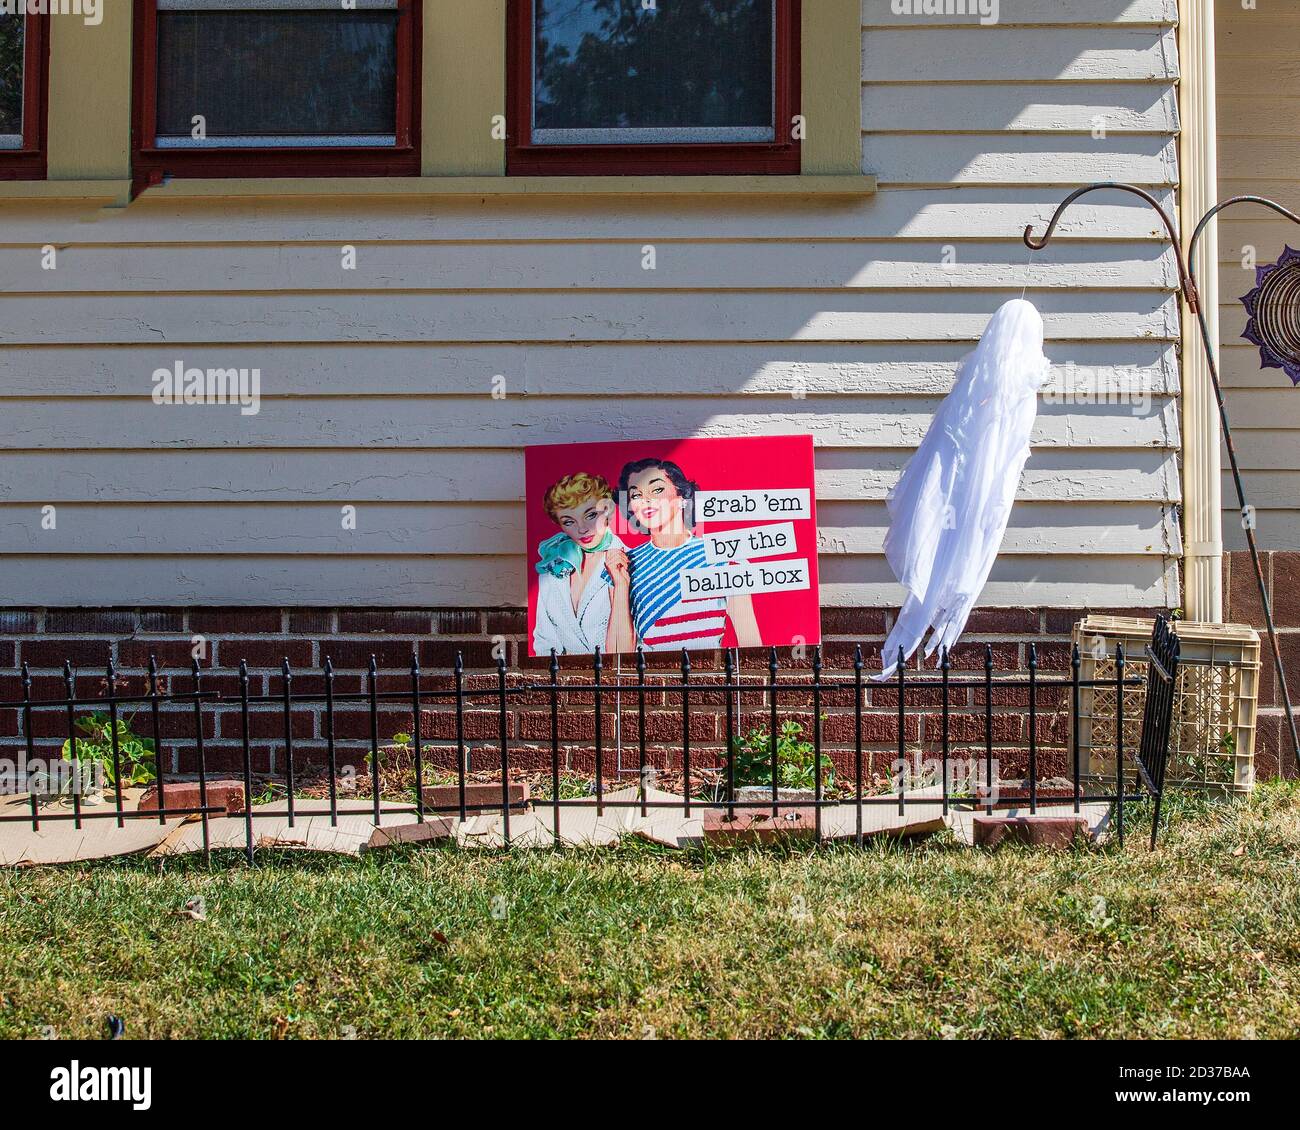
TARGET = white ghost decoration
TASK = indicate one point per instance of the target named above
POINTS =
(950, 508)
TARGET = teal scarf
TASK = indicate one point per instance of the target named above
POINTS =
(561, 555)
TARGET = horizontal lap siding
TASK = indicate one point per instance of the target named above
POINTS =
(1259, 153)
(841, 318)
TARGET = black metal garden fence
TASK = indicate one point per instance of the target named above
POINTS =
(1146, 780)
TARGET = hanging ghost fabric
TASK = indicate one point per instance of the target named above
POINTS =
(949, 509)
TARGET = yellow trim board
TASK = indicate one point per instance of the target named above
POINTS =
(463, 87)
(831, 87)
(90, 96)
(856, 185)
(118, 191)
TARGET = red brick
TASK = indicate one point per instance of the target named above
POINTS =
(171, 723)
(393, 621)
(663, 726)
(1036, 831)
(162, 620)
(573, 667)
(839, 655)
(8, 654)
(226, 758)
(970, 657)
(1274, 756)
(1050, 695)
(355, 654)
(506, 622)
(1051, 656)
(17, 622)
(970, 727)
(478, 724)
(92, 620)
(169, 653)
(43, 687)
(486, 758)
(234, 621)
(1015, 621)
(572, 726)
(1242, 595)
(885, 696)
(1285, 591)
(52, 653)
(310, 681)
(222, 793)
(355, 723)
(265, 653)
(877, 729)
(1052, 729)
(459, 622)
(266, 724)
(442, 653)
(479, 797)
(433, 828)
(855, 622)
(758, 826)
(225, 684)
(1270, 691)
(311, 621)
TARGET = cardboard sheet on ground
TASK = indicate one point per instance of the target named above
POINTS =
(673, 828)
(60, 841)
(580, 824)
(354, 833)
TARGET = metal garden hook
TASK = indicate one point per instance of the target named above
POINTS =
(1187, 279)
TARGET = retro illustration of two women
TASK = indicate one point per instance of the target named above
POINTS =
(595, 592)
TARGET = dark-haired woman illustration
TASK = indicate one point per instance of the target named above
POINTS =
(647, 603)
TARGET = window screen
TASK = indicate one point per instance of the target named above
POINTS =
(615, 72)
(12, 51)
(262, 74)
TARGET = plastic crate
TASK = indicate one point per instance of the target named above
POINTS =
(1212, 744)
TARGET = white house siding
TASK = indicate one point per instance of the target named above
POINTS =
(376, 383)
(1259, 153)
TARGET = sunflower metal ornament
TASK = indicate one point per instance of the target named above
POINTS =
(1273, 310)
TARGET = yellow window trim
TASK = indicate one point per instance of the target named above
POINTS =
(514, 186)
(117, 192)
(463, 95)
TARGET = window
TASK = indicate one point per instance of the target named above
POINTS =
(673, 87)
(277, 88)
(24, 77)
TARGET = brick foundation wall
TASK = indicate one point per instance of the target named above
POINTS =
(43, 638)
(1242, 605)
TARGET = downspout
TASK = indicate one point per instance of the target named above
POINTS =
(1198, 192)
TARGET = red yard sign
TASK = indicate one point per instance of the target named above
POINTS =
(671, 544)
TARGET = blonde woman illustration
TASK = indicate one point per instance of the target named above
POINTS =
(579, 569)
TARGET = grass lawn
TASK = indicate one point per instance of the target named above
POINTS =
(1201, 939)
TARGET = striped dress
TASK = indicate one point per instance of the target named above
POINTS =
(663, 621)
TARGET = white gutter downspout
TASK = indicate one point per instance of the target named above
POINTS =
(1199, 190)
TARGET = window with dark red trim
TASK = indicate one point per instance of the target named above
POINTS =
(24, 89)
(246, 88)
(679, 87)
